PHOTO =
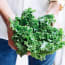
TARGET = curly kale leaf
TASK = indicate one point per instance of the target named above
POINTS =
(36, 35)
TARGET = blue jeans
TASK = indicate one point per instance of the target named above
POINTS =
(8, 56)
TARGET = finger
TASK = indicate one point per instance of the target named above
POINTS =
(28, 53)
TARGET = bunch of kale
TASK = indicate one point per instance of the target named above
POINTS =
(36, 35)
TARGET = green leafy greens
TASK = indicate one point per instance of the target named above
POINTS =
(36, 35)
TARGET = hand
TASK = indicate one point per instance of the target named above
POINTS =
(54, 8)
(10, 41)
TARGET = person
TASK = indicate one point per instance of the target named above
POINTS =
(7, 49)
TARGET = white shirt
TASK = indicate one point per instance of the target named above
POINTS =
(18, 6)
(41, 6)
